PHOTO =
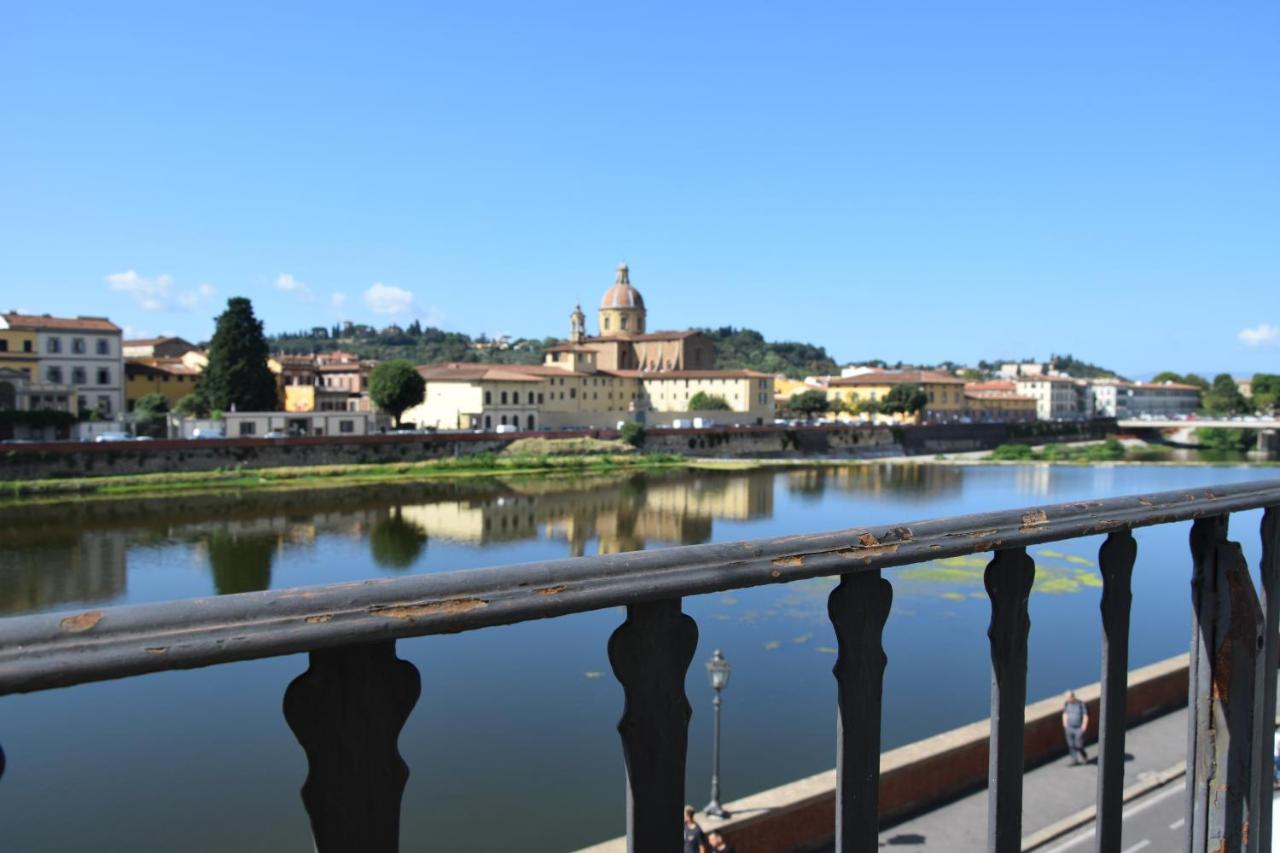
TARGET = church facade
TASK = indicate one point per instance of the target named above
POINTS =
(624, 372)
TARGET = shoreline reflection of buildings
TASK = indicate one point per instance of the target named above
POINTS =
(81, 567)
(623, 517)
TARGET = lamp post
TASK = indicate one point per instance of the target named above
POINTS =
(718, 675)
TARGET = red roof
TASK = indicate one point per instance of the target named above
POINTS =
(897, 377)
(44, 322)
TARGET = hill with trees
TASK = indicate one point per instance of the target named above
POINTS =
(736, 349)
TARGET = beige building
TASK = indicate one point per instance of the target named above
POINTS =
(595, 382)
(997, 401)
(81, 356)
(944, 394)
(1057, 397)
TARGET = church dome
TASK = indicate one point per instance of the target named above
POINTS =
(622, 294)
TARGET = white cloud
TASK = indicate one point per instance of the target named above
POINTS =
(158, 294)
(286, 282)
(1262, 335)
(152, 294)
(389, 300)
(338, 300)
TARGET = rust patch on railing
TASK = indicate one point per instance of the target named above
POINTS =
(413, 611)
(81, 621)
(319, 618)
(867, 540)
(156, 650)
(551, 590)
(1035, 519)
(788, 563)
(972, 534)
(1145, 502)
(866, 551)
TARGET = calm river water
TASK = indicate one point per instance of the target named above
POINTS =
(512, 746)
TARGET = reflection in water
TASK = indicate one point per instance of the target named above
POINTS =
(58, 569)
(812, 483)
(395, 542)
(241, 560)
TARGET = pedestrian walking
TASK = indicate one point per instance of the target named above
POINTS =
(1075, 720)
(694, 840)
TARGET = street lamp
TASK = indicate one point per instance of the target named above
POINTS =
(718, 675)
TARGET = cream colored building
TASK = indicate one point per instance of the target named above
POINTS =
(584, 382)
(1057, 397)
(80, 355)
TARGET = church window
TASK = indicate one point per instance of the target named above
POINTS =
(606, 324)
(624, 321)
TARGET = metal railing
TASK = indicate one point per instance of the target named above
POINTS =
(347, 709)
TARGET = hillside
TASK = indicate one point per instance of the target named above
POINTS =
(736, 349)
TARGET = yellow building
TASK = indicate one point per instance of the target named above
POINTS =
(944, 394)
(168, 377)
(18, 350)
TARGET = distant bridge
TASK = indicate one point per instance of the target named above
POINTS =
(1220, 423)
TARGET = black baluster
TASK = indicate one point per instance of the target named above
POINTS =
(347, 710)
(1265, 683)
(1008, 580)
(1115, 558)
(858, 608)
(1206, 533)
(1230, 622)
(650, 654)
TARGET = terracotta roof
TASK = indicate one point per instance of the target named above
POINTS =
(689, 374)
(134, 367)
(468, 372)
(569, 348)
(70, 324)
(897, 377)
(622, 294)
(1045, 378)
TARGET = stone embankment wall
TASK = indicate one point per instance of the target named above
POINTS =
(925, 774)
(74, 459)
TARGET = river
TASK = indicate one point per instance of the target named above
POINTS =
(512, 746)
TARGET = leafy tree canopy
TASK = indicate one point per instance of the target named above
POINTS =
(1224, 398)
(746, 349)
(1265, 391)
(395, 386)
(809, 403)
(149, 414)
(905, 398)
(1182, 379)
(237, 376)
(704, 402)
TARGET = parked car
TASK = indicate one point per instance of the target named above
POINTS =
(112, 436)
(275, 433)
(208, 432)
(502, 428)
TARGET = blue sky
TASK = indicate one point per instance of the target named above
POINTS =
(906, 180)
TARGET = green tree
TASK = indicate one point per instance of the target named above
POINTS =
(237, 376)
(809, 403)
(1224, 398)
(241, 562)
(150, 416)
(1265, 391)
(395, 386)
(1223, 440)
(191, 406)
(905, 398)
(704, 402)
(632, 433)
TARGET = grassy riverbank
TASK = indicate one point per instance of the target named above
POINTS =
(338, 476)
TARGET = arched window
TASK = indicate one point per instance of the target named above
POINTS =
(504, 402)
(531, 422)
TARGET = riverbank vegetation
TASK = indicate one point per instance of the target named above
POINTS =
(337, 476)
(1110, 450)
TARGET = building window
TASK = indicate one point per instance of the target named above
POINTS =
(488, 397)
(77, 345)
(104, 405)
(503, 420)
(77, 376)
(55, 374)
(104, 348)
(540, 398)
(54, 345)
(531, 422)
(624, 321)
(4, 345)
(488, 422)
(346, 426)
(504, 400)
(573, 393)
(606, 323)
(82, 403)
(104, 376)
(248, 428)
(26, 346)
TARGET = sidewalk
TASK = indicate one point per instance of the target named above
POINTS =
(1051, 792)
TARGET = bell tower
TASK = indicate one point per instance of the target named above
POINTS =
(577, 325)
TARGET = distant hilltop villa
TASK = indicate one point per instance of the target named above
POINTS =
(622, 373)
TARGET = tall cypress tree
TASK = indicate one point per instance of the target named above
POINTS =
(237, 374)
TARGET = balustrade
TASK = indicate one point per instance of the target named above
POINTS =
(349, 706)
